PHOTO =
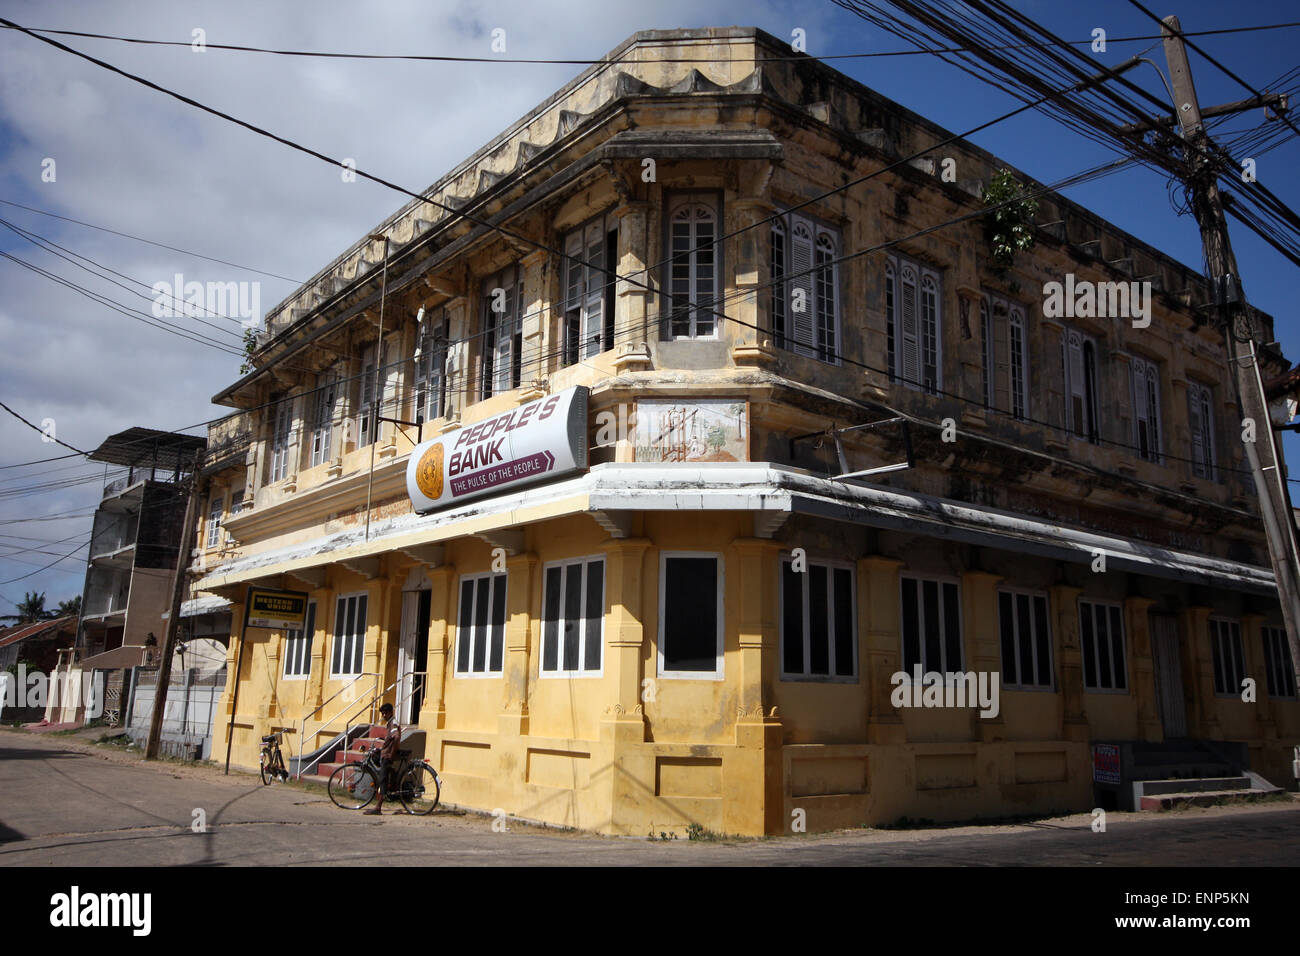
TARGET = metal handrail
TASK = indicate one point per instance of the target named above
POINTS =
(371, 703)
(368, 705)
(302, 733)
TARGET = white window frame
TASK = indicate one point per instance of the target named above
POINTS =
(1016, 637)
(584, 563)
(811, 340)
(587, 290)
(429, 368)
(1002, 322)
(237, 502)
(1145, 375)
(926, 282)
(720, 664)
(1225, 638)
(1073, 339)
(1200, 401)
(501, 342)
(499, 579)
(1124, 646)
(352, 639)
(1279, 671)
(322, 429)
(281, 438)
(297, 648)
(216, 508)
(806, 579)
(941, 580)
(694, 312)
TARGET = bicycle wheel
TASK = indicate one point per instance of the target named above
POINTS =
(264, 767)
(352, 786)
(419, 789)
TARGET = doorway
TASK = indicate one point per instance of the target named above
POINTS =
(412, 655)
(1168, 675)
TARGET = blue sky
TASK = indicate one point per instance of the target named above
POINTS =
(134, 161)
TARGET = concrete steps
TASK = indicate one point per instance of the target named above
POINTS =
(1203, 798)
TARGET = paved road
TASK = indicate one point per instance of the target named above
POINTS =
(65, 803)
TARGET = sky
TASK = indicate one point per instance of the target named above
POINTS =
(80, 142)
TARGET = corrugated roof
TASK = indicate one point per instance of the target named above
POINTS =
(168, 450)
(21, 632)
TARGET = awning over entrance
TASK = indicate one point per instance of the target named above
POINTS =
(772, 492)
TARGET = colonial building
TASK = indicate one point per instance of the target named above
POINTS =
(648, 464)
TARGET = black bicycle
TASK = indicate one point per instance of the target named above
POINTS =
(272, 762)
(414, 783)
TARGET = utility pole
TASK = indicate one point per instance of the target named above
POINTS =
(1239, 333)
(173, 619)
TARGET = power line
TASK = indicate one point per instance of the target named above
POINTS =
(40, 429)
(435, 58)
(160, 245)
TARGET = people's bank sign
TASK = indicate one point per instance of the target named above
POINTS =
(537, 441)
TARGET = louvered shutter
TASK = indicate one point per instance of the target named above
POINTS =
(1076, 395)
(594, 301)
(1197, 427)
(802, 304)
(909, 365)
(1138, 395)
(501, 366)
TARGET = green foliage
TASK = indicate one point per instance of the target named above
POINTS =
(250, 346)
(1008, 226)
(69, 607)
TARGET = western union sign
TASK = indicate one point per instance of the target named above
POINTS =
(280, 610)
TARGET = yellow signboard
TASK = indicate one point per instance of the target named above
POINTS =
(280, 610)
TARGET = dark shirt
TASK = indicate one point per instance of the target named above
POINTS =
(389, 748)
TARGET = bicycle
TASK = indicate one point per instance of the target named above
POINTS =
(272, 761)
(417, 785)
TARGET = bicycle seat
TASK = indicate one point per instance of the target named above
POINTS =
(269, 739)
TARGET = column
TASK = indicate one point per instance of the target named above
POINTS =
(1142, 680)
(1198, 673)
(433, 709)
(979, 593)
(1069, 662)
(880, 645)
(623, 725)
(520, 571)
(753, 799)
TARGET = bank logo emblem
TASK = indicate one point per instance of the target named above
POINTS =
(429, 475)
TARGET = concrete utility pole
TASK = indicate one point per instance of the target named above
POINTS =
(1239, 336)
(173, 619)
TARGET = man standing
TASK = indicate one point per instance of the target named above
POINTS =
(387, 754)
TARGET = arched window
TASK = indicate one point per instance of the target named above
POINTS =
(693, 271)
(913, 319)
(805, 296)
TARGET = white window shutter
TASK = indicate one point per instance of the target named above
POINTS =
(1196, 424)
(909, 359)
(1076, 394)
(802, 304)
(594, 301)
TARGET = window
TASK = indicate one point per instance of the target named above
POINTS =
(573, 616)
(818, 637)
(931, 625)
(1004, 354)
(297, 647)
(214, 521)
(502, 341)
(1200, 422)
(1278, 667)
(805, 309)
(693, 271)
(322, 426)
(913, 319)
(690, 615)
(1079, 358)
(349, 635)
(281, 433)
(430, 361)
(1225, 648)
(1145, 385)
(589, 289)
(1101, 634)
(236, 501)
(368, 397)
(1026, 640)
(481, 631)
